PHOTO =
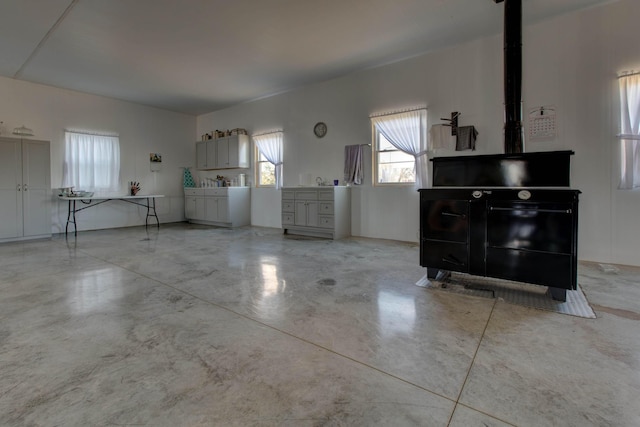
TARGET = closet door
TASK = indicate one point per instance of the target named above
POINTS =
(36, 188)
(10, 188)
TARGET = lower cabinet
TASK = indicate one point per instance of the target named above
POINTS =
(226, 207)
(317, 211)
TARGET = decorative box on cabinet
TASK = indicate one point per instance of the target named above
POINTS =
(317, 211)
(223, 206)
(25, 189)
(229, 152)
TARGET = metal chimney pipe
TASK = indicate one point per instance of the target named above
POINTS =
(513, 128)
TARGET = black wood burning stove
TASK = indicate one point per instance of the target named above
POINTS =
(520, 223)
(511, 216)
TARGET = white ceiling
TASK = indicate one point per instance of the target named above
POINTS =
(198, 56)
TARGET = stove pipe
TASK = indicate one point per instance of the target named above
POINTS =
(513, 129)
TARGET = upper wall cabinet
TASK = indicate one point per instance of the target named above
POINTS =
(228, 152)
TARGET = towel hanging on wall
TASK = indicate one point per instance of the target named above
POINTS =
(353, 173)
(440, 137)
(466, 138)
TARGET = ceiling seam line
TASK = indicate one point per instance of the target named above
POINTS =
(45, 38)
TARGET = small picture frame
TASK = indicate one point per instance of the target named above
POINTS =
(155, 161)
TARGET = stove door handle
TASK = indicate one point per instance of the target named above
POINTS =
(563, 211)
(457, 215)
(453, 260)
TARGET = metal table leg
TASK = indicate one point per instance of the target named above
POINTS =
(151, 211)
(71, 217)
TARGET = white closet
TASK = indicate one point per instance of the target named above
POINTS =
(25, 189)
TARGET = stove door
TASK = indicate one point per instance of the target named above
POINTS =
(444, 234)
(531, 242)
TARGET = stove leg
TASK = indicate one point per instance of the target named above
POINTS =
(432, 272)
(558, 294)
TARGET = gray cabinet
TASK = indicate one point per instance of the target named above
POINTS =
(206, 155)
(317, 211)
(217, 209)
(25, 189)
(225, 206)
(194, 204)
(228, 152)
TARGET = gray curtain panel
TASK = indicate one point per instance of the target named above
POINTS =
(353, 172)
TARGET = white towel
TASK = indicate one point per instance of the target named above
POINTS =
(440, 137)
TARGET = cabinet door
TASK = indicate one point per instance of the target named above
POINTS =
(217, 209)
(236, 151)
(222, 145)
(211, 208)
(306, 213)
(312, 214)
(36, 188)
(201, 155)
(194, 208)
(190, 207)
(211, 154)
(301, 213)
(223, 209)
(10, 189)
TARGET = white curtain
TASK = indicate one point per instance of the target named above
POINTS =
(270, 146)
(91, 162)
(630, 131)
(406, 131)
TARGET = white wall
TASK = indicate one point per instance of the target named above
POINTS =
(143, 130)
(570, 61)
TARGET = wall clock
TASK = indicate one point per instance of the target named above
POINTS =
(320, 129)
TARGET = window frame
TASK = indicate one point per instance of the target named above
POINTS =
(112, 181)
(258, 175)
(375, 143)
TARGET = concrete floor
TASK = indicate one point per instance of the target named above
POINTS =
(198, 326)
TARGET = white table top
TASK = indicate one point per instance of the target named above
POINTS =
(94, 197)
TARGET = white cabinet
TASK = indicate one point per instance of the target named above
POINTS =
(317, 211)
(229, 152)
(223, 206)
(233, 152)
(206, 154)
(217, 209)
(25, 189)
(194, 204)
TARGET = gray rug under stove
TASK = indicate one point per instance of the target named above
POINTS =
(512, 292)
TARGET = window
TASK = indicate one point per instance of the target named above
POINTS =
(630, 131)
(393, 166)
(91, 162)
(265, 171)
(400, 155)
(269, 148)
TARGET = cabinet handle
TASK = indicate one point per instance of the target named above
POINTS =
(19, 188)
(25, 187)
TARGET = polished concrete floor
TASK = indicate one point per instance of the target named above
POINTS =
(196, 326)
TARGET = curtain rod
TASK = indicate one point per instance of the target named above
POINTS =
(628, 73)
(268, 133)
(84, 132)
(404, 110)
